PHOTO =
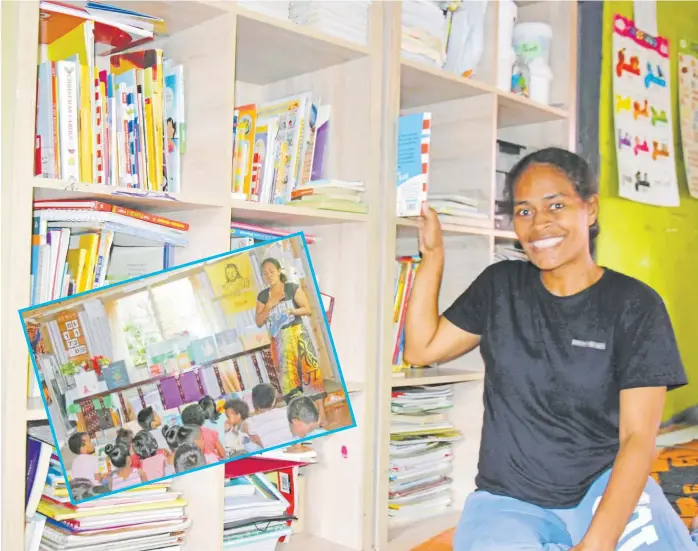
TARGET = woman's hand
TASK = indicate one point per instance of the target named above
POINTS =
(430, 236)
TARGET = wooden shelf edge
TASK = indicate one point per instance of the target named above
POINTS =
(436, 376)
(35, 410)
(289, 214)
(51, 188)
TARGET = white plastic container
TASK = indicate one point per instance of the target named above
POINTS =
(508, 12)
(505, 64)
(532, 40)
(540, 78)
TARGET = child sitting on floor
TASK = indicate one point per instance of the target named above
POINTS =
(304, 418)
(268, 427)
(124, 475)
(214, 419)
(192, 434)
(146, 447)
(236, 438)
(85, 464)
(187, 457)
(194, 415)
(149, 420)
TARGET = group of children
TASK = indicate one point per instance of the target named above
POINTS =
(205, 436)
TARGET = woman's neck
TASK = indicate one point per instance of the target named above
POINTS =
(278, 285)
(572, 278)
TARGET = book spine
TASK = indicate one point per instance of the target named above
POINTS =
(66, 76)
(152, 218)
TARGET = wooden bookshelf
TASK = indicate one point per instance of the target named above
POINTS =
(468, 117)
(233, 56)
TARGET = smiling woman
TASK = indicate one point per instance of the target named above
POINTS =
(578, 359)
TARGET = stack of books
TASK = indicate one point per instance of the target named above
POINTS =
(406, 269)
(148, 517)
(421, 452)
(331, 195)
(459, 208)
(256, 512)
(80, 245)
(344, 19)
(104, 120)
(280, 147)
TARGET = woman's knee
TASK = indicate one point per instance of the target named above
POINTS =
(497, 523)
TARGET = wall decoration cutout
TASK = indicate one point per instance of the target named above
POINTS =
(642, 116)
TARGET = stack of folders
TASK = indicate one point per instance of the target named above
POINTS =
(80, 245)
(256, 514)
(421, 452)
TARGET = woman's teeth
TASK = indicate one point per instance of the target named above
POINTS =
(546, 243)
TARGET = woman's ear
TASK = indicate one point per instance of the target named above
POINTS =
(592, 209)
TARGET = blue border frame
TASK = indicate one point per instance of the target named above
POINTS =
(22, 311)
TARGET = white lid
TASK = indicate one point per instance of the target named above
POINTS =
(538, 28)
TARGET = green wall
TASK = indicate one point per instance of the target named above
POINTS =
(654, 244)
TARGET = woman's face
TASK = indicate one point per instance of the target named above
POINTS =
(550, 219)
(270, 273)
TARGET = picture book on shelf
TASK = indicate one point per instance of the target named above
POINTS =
(213, 361)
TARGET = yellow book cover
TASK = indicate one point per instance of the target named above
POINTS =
(76, 264)
(244, 143)
(85, 121)
(89, 242)
(61, 512)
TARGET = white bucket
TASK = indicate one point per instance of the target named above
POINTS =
(532, 40)
(508, 13)
(540, 78)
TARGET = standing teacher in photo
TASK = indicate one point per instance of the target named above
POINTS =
(281, 306)
(578, 359)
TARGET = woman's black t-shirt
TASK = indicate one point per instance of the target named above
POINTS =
(287, 303)
(554, 369)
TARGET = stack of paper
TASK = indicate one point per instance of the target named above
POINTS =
(274, 8)
(458, 208)
(255, 514)
(424, 32)
(421, 452)
(344, 19)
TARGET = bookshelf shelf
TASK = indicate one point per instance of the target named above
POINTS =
(468, 116)
(287, 49)
(514, 110)
(421, 84)
(409, 227)
(436, 376)
(285, 215)
(49, 188)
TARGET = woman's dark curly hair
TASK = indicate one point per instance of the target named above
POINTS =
(575, 168)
